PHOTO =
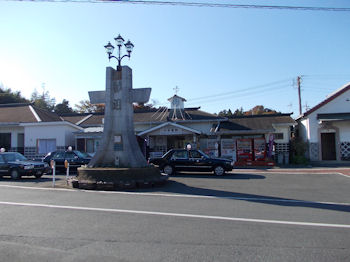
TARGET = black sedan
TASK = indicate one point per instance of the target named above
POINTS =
(191, 160)
(75, 159)
(16, 165)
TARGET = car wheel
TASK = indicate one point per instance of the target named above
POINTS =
(15, 174)
(38, 176)
(168, 169)
(219, 171)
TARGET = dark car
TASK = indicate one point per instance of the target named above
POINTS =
(191, 160)
(75, 159)
(16, 165)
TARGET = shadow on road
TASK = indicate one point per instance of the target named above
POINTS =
(183, 189)
(211, 176)
(31, 179)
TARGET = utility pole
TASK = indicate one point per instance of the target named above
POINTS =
(299, 94)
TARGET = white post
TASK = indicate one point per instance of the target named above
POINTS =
(53, 166)
(67, 172)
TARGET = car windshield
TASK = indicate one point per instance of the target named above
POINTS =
(10, 157)
(81, 154)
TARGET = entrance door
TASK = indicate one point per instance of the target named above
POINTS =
(175, 142)
(328, 146)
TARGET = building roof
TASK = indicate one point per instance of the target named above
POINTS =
(25, 113)
(145, 116)
(261, 123)
(331, 97)
(176, 96)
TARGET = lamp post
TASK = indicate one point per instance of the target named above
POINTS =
(119, 42)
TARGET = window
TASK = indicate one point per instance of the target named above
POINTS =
(278, 135)
(90, 145)
(58, 155)
(5, 140)
(180, 155)
(70, 155)
(195, 154)
(45, 146)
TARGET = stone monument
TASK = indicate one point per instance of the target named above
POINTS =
(119, 162)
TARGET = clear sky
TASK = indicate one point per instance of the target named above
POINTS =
(220, 58)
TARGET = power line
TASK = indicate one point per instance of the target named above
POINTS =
(235, 92)
(202, 4)
(247, 94)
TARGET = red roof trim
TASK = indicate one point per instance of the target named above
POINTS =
(329, 99)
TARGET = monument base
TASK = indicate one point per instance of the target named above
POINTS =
(105, 178)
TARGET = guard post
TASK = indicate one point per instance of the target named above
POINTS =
(66, 165)
(53, 166)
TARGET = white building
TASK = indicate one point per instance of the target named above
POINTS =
(33, 131)
(326, 127)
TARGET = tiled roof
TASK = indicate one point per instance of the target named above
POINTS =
(74, 118)
(25, 113)
(256, 122)
(160, 115)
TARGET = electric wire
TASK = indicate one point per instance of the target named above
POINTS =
(247, 94)
(235, 92)
(201, 4)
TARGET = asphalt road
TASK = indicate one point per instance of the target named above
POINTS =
(194, 217)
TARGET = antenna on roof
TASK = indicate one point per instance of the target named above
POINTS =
(176, 89)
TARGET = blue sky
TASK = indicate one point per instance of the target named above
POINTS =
(220, 58)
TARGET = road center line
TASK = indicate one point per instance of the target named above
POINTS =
(237, 219)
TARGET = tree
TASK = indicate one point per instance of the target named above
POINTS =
(260, 110)
(63, 108)
(228, 113)
(85, 106)
(7, 96)
(223, 113)
(43, 100)
(239, 112)
(257, 110)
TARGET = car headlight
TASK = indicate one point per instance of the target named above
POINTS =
(46, 165)
(28, 167)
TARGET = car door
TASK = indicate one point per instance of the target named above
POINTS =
(3, 166)
(198, 161)
(180, 160)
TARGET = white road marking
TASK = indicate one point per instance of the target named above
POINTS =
(257, 199)
(237, 219)
(284, 172)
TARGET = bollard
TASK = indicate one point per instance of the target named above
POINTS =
(66, 165)
(53, 166)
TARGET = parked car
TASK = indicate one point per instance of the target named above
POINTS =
(75, 159)
(16, 165)
(191, 160)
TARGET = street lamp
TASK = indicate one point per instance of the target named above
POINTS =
(119, 42)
